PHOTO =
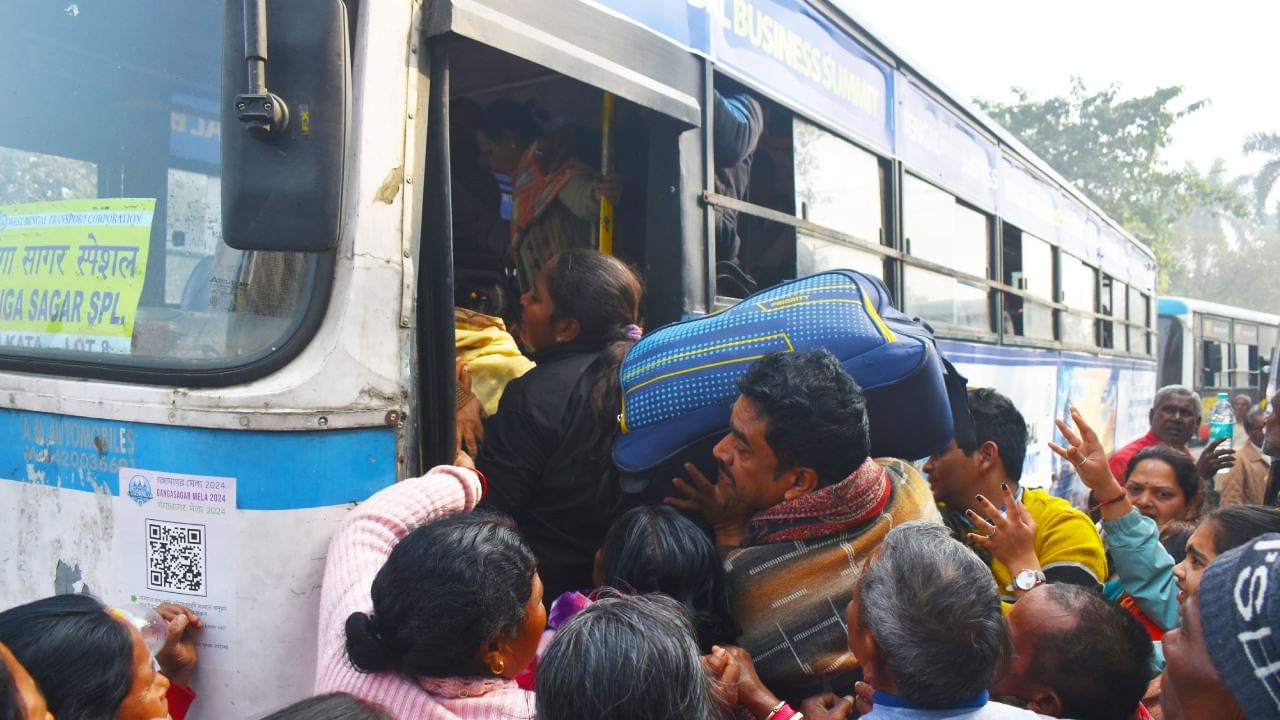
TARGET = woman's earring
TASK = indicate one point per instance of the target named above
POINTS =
(501, 667)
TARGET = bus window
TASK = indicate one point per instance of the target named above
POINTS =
(1171, 344)
(840, 186)
(1140, 313)
(1079, 292)
(1215, 343)
(1244, 356)
(1114, 301)
(1266, 353)
(1028, 265)
(113, 246)
(940, 229)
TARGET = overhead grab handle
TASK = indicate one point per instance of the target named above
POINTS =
(262, 113)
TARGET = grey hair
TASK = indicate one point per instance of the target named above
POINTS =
(1255, 419)
(625, 658)
(933, 609)
(1168, 390)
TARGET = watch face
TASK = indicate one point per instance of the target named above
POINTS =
(1026, 580)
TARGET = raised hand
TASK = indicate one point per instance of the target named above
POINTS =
(177, 657)
(1086, 454)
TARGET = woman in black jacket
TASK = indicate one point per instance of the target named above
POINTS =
(546, 452)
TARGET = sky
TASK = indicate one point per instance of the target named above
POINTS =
(1227, 52)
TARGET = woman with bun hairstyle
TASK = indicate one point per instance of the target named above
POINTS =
(429, 610)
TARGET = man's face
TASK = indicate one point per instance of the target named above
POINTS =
(1257, 427)
(1241, 404)
(1271, 441)
(1174, 421)
(747, 462)
(1033, 615)
(953, 476)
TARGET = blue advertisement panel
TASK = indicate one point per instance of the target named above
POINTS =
(1026, 200)
(785, 45)
(789, 46)
(937, 144)
(195, 132)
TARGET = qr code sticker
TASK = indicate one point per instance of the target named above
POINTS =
(175, 557)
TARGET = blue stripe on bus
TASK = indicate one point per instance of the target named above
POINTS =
(273, 470)
(1008, 356)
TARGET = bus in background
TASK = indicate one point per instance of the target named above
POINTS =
(1213, 348)
(227, 283)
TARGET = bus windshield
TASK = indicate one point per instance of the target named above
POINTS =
(110, 224)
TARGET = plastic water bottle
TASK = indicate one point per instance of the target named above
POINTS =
(1222, 422)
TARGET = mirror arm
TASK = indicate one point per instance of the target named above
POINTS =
(263, 114)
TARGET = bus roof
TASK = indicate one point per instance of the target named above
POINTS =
(1173, 305)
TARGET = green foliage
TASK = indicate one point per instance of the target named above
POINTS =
(1112, 147)
(1265, 181)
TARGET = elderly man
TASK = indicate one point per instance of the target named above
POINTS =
(1246, 482)
(1175, 419)
(1075, 655)
(1241, 405)
(925, 620)
(798, 506)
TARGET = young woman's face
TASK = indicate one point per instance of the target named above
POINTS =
(536, 309)
(1200, 552)
(501, 153)
(146, 699)
(33, 703)
(1153, 489)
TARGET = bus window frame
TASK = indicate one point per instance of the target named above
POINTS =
(165, 372)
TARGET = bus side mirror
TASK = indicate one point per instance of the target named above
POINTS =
(282, 189)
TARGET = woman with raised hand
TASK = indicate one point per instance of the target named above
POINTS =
(1162, 484)
(92, 663)
(429, 610)
(1146, 570)
(546, 452)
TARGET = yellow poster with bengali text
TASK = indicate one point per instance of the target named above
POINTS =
(71, 272)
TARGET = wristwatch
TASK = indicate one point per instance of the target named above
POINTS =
(1027, 579)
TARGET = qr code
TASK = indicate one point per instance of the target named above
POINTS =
(175, 557)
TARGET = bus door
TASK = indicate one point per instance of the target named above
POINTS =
(503, 58)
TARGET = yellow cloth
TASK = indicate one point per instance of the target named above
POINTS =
(1064, 537)
(492, 356)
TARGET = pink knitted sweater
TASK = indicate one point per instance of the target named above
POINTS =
(358, 550)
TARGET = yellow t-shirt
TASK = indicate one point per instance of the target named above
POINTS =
(1065, 537)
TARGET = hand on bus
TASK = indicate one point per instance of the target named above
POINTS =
(1213, 459)
(1009, 536)
(608, 187)
(1090, 460)
(718, 504)
(177, 657)
(470, 417)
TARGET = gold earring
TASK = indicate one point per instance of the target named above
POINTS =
(502, 666)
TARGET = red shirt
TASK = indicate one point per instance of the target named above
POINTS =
(1120, 459)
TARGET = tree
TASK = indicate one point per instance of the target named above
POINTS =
(1112, 148)
(1265, 181)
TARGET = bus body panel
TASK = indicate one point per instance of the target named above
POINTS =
(1114, 395)
(59, 496)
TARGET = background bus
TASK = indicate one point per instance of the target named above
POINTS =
(1215, 348)
(269, 388)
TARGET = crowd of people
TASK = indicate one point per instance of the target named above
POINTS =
(807, 580)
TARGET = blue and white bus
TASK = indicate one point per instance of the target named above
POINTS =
(1212, 348)
(227, 275)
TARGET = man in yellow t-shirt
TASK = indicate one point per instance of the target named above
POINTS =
(979, 472)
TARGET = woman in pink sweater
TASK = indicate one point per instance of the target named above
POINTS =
(427, 609)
